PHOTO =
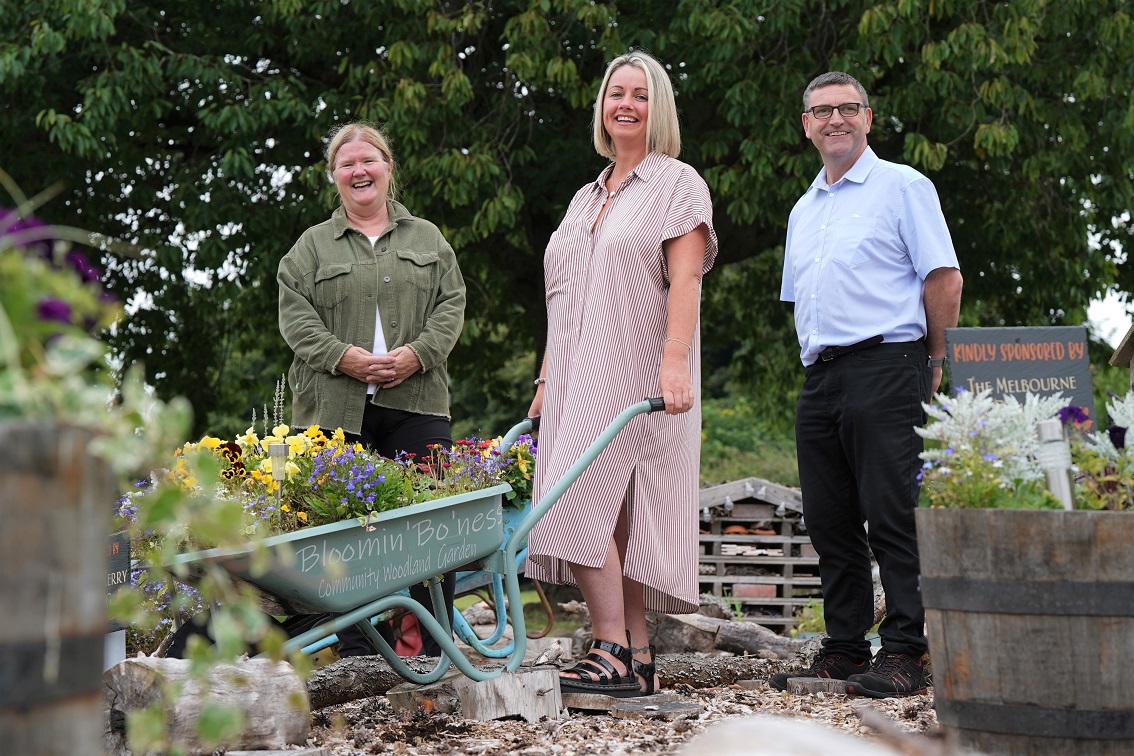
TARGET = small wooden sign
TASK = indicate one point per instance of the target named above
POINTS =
(118, 570)
(1043, 360)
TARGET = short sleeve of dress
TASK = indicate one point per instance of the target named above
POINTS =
(689, 207)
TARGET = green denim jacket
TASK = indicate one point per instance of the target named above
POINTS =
(330, 283)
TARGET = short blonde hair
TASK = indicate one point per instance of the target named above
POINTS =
(663, 134)
(365, 132)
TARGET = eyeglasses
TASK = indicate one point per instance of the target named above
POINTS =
(846, 110)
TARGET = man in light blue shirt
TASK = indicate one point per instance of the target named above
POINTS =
(871, 269)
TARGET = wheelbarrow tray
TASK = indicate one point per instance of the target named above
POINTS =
(344, 565)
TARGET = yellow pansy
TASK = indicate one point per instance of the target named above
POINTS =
(249, 439)
(338, 436)
(281, 431)
(209, 442)
(291, 469)
(298, 445)
(285, 508)
(302, 516)
(313, 432)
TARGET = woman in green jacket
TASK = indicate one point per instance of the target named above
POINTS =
(371, 303)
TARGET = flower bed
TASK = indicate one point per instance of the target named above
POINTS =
(985, 453)
(327, 479)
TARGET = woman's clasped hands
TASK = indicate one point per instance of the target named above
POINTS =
(385, 370)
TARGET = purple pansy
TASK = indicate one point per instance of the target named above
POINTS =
(53, 309)
(1073, 414)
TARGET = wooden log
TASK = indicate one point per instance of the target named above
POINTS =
(799, 686)
(270, 696)
(359, 677)
(710, 633)
(364, 676)
(601, 702)
(56, 501)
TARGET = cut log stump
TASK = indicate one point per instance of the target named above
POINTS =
(270, 696)
(531, 693)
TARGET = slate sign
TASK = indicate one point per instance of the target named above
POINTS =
(118, 570)
(1042, 360)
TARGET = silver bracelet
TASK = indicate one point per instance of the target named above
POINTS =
(538, 381)
(679, 341)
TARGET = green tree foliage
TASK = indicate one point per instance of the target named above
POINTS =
(192, 130)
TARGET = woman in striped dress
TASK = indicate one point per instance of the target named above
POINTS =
(623, 277)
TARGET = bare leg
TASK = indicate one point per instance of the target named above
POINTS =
(634, 602)
(602, 590)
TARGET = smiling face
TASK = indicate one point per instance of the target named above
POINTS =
(626, 107)
(840, 140)
(362, 176)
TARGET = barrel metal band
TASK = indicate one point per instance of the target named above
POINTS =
(1035, 721)
(1016, 597)
(22, 666)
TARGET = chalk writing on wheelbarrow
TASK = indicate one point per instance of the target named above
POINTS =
(422, 546)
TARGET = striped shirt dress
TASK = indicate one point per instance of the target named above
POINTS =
(607, 292)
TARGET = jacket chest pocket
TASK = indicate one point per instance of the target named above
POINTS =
(421, 270)
(332, 284)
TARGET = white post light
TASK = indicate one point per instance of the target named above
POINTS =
(1055, 458)
(278, 454)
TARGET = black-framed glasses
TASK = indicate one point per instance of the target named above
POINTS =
(846, 110)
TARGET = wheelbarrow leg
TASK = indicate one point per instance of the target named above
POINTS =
(543, 602)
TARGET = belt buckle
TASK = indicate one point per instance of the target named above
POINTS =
(829, 354)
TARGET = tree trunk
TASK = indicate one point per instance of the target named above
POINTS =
(269, 695)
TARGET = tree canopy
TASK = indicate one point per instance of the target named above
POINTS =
(193, 132)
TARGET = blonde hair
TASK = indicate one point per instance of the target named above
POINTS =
(663, 134)
(365, 132)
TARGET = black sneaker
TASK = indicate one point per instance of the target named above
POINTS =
(833, 666)
(890, 675)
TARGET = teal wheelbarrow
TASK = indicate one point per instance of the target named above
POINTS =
(359, 572)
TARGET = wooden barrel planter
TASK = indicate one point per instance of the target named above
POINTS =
(1030, 619)
(55, 508)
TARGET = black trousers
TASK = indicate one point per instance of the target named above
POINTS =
(389, 432)
(858, 463)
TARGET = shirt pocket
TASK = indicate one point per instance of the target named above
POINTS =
(422, 268)
(850, 240)
(332, 284)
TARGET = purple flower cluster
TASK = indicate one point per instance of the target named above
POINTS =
(347, 474)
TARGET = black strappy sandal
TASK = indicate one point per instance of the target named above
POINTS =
(648, 671)
(608, 682)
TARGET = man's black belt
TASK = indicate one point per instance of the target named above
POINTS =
(832, 352)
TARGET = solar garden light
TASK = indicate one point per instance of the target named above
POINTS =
(1055, 459)
(278, 454)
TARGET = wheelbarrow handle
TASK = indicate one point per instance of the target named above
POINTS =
(520, 535)
(531, 425)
